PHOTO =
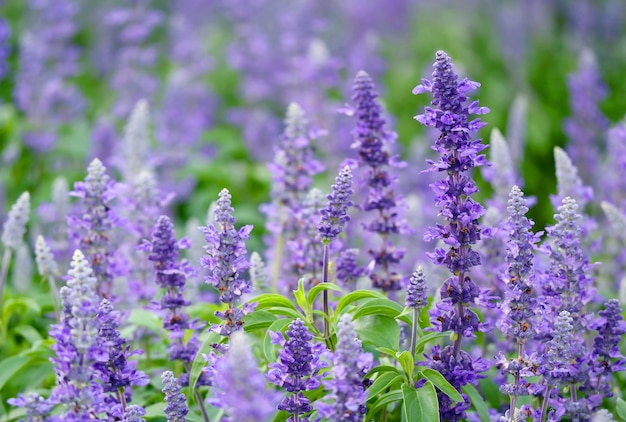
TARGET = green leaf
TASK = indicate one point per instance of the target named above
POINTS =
(300, 296)
(620, 408)
(271, 300)
(406, 361)
(382, 369)
(154, 410)
(199, 362)
(477, 401)
(442, 384)
(270, 349)
(146, 319)
(382, 402)
(315, 291)
(378, 331)
(382, 306)
(357, 295)
(258, 319)
(382, 383)
(427, 338)
(10, 366)
(19, 305)
(420, 404)
(29, 333)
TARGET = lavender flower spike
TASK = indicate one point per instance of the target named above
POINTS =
(335, 214)
(606, 354)
(347, 395)
(12, 234)
(297, 369)
(225, 261)
(416, 298)
(239, 387)
(176, 408)
(458, 153)
(48, 268)
(14, 228)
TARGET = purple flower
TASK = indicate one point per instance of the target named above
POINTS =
(416, 293)
(117, 374)
(37, 408)
(347, 270)
(347, 395)
(292, 172)
(225, 260)
(47, 62)
(93, 228)
(176, 408)
(382, 200)
(606, 355)
(134, 413)
(171, 276)
(297, 369)
(239, 387)
(586, 127)
(458, 153)
(335, 214)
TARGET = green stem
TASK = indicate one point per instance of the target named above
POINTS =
(544, 406)
(414, 331)
(205, 415)
(325, 293)
(6, 258)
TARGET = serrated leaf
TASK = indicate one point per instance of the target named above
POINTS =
(620, 408)
(258, 319)
(442, 384)
(316, 290)
(352, 297)
(383, 307)
(420, 404)
(199, 362)
(10, 366)
(384, 381)
(477, 402)
(378, 331)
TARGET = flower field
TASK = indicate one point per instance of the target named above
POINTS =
(272, 210)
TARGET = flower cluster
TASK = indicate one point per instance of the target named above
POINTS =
(297, 369)
(382, 199)
(225, 260)
(335, 214)
(458, 153)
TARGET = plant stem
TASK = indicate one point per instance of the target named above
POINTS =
(325, 293)
(6, 258)
(513, 403)
(544, 406)
(205, 415)
(414, 331)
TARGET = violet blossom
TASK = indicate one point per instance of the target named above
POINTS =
(176, 409)
(346, 398)
(297, 369)
(458, 154)
(381, 197)
(335, 214)
(225, 260)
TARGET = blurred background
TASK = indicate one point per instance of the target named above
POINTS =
(218, 75)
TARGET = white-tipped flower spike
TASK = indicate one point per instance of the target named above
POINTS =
(136, 141)
(61, 197)
(22, 274)
(516, 127)
(258, 273)
(15, 226)
(616, 218)
(296, 124)
(46, 264)
(568, 181)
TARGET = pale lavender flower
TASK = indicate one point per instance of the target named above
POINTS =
(176, 409)
(14, 227)
(586, 127)
(47, 62)
(416, 292)
(347, 270)
(346, 398)
(239, 388)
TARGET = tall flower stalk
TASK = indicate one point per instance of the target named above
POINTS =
(416, 299)
(225, 260)
(381, 198)
(13, 232)
(459, 153)
(334, 218)
(519, 306)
